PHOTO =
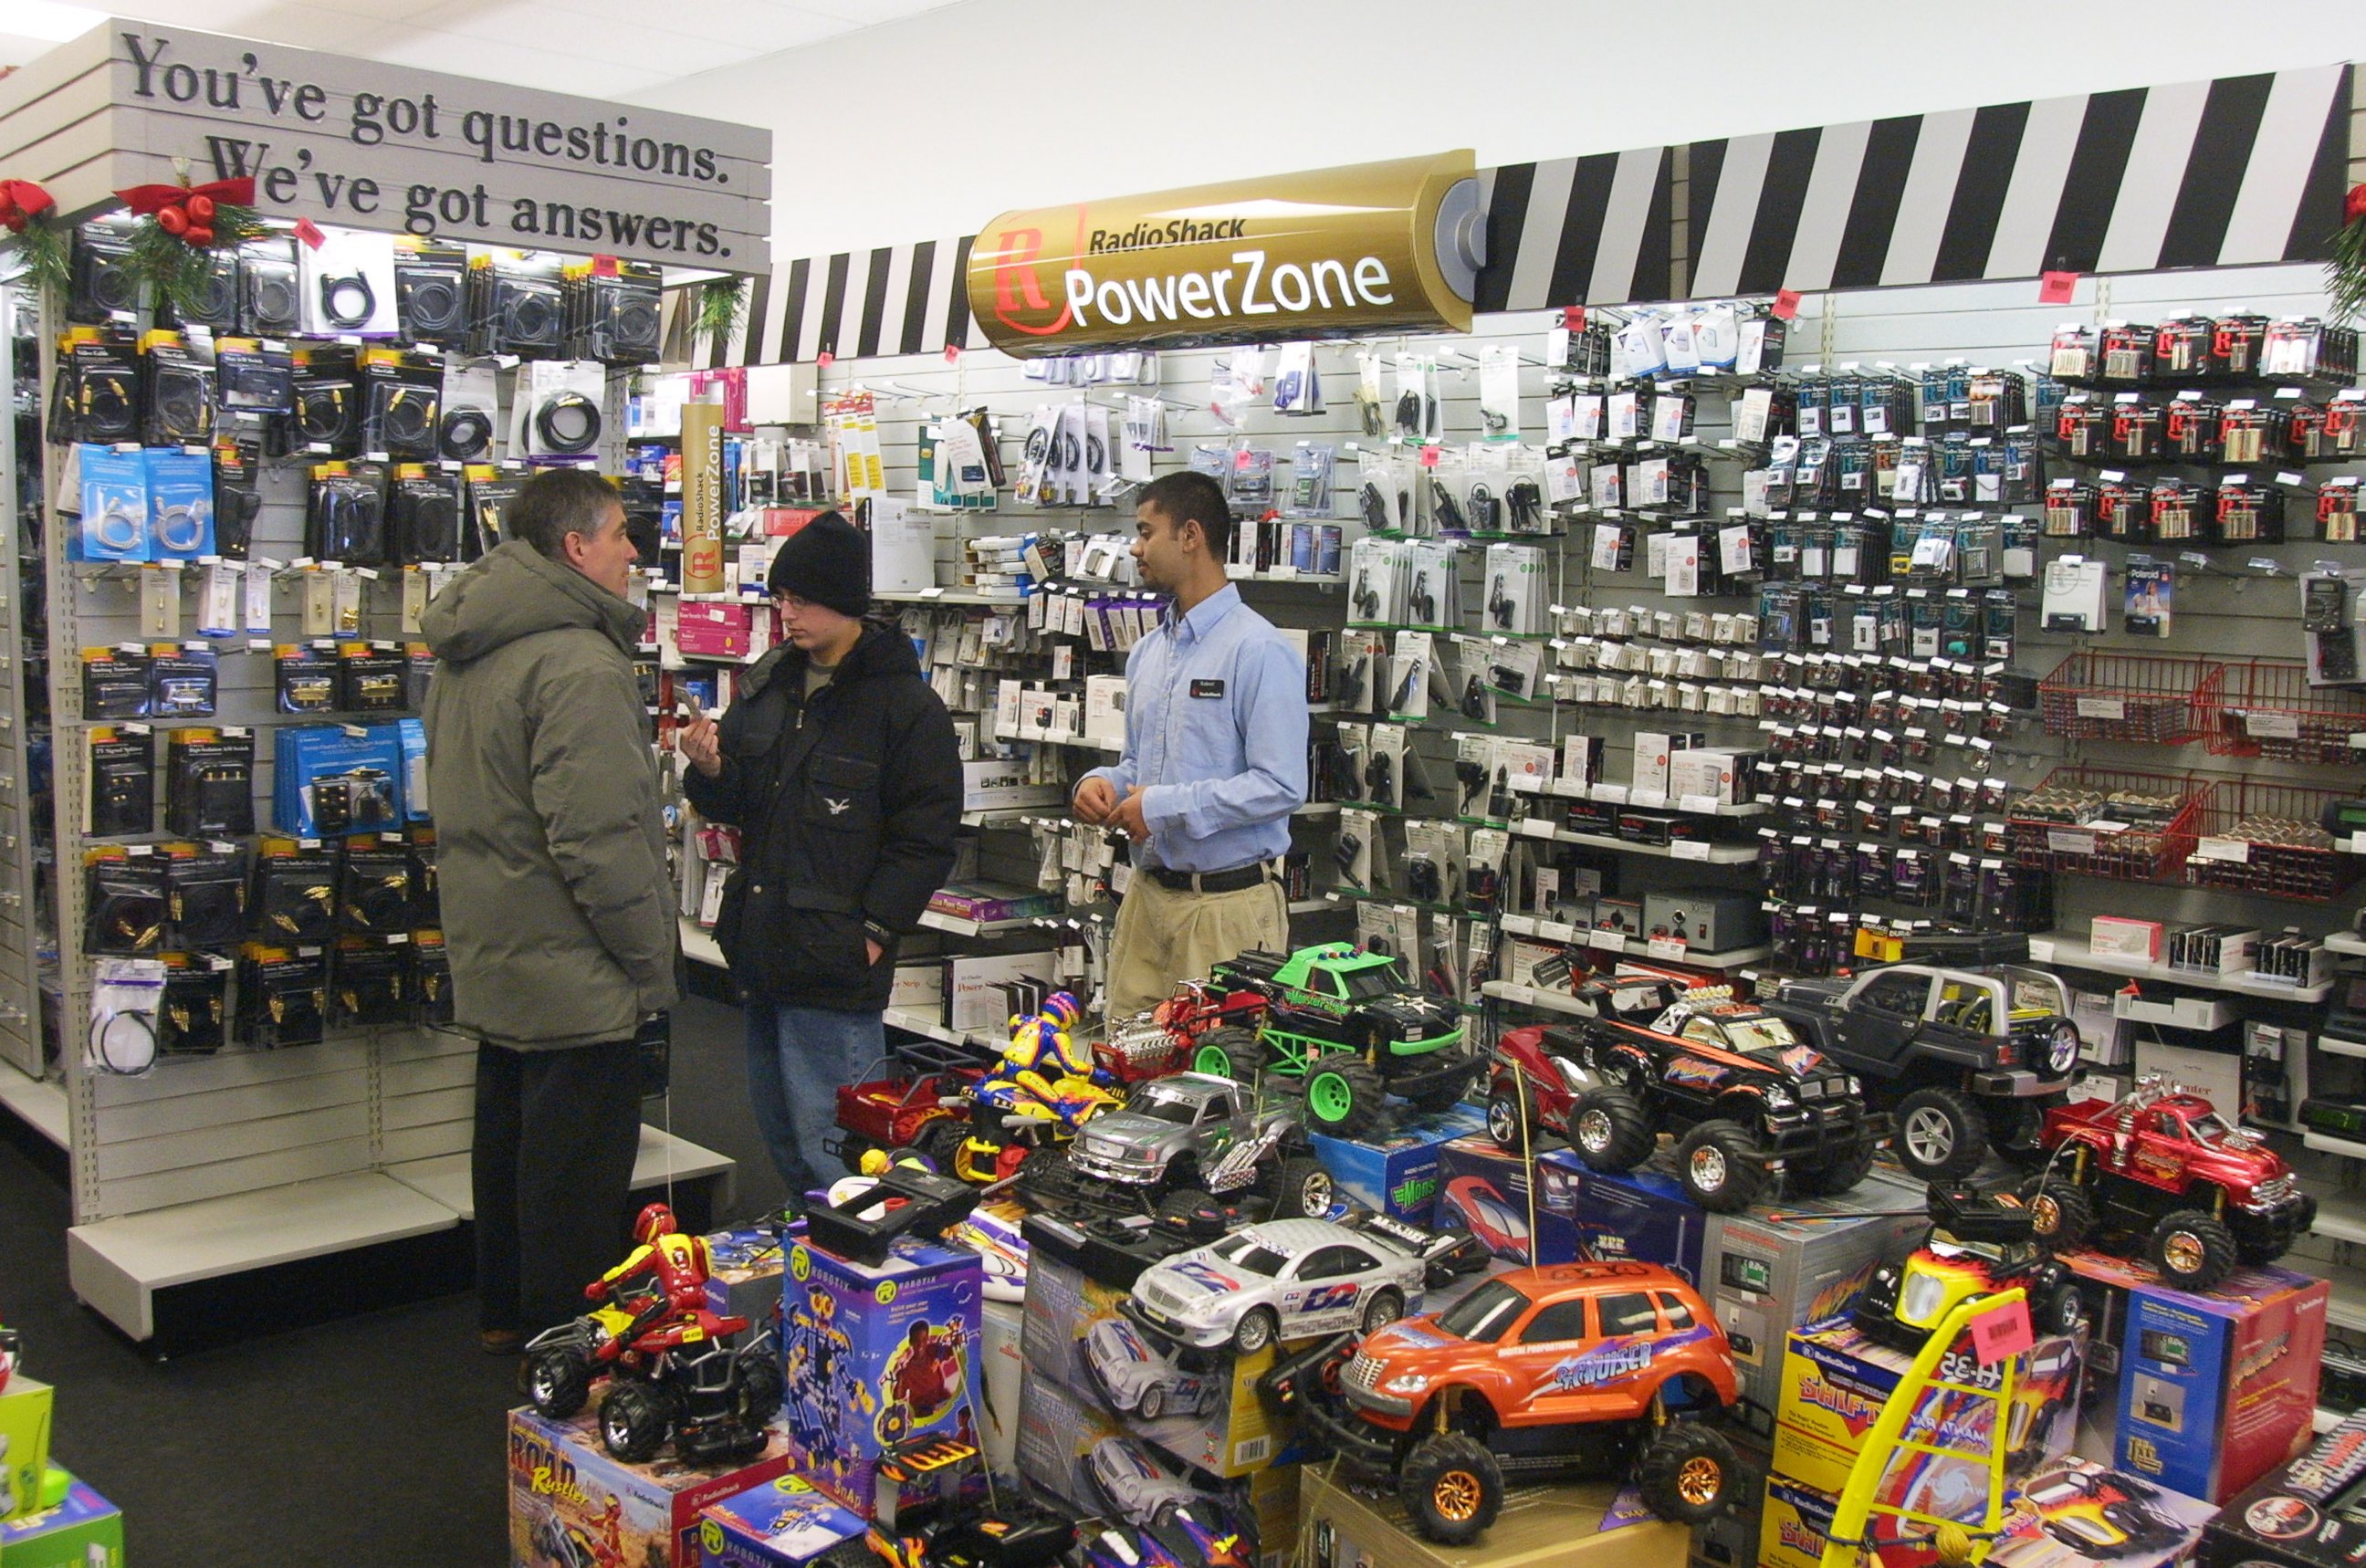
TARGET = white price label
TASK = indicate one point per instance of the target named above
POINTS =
(2272, 726)
(1706, 805)
(2064, 842)
(1670, 947)
(2102, 707)
(2238, 850)
(1689, 849)
(1608, 942)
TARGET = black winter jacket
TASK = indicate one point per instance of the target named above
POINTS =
(846, 820)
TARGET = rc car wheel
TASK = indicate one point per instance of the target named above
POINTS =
(1231, 1051)
(2060, 1215)
(2062, 1312)
(1344, 1097)
(1833, 1175)
(1504, 1120)
(1688, 1474)
(941, 1140)
(1255, 1331)
(558, 1381)
(1301, 1188)
(855, 1553)
(1193, 1213)
(1941, 1136)
(1610, 1131)
(1154, 1403)
(634, 1421)
(1452, 1488)
(2192, 1250)
(1384, 1308)
(761, 1389)
(1719, 1167)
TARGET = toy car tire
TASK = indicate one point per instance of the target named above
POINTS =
(1506, 1120)
(1688, 1474)
(2192, 1250)
(1256, 1329)
(1452, 1488)
(2062, 1310)
(635, 1421)
(558, 1381)
(1301, 1188)
(1833, 1175)
(1231, 1051)
(856, 1553)
(1442, 1097)
(1153, 1404)
(1610, 1131)
(1342, 1098)
(1384, 1308)
(1942, 1134)
(941, 1140)
(761, 1389)
(2060, 1215)
(1720, 1168)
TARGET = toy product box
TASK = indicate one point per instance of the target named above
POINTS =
(1586, 1524)
(1061, 1309)
(1835, 1381)
(1783, 1266)
(2212, 1389)
(2301, 1515)
(745, 1279)
(782, 1524)
(1005, 1371)
(1581, 1215)
(1058, 1428)
(26, 1405)
(571, 1501)
(1397, 1174)
(2071, 1514)
(77, 1529)
(879, 1357)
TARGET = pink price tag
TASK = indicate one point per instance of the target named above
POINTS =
(1786, 304)
(1429, 457)
(952, 352)
(2000, 1333)
(310, 232)
(2055, 288)
(825, 360)
(602, 266)
(1574, 317)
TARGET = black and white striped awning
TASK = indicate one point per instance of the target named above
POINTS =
(2227, 172)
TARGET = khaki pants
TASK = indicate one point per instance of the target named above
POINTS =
(1164, 936)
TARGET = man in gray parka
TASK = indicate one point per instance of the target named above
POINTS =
(558, 911)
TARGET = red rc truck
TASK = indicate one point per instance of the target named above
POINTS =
(914, 1101)
(1162, 1041)
(2162, 1167)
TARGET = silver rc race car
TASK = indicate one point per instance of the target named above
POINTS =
(1142, 1380)
(1295, 1279)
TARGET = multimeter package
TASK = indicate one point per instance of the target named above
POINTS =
(556, 408)
(328, 420)
(114, 504)
(431, 292)
(346, 285)
(335, 778)
(180, 502)
(423, 515)
(402, 403)
(472, 398)
(209, 780)
(178, 393)
(122, 781)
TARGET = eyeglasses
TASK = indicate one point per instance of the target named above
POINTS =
(792, 605)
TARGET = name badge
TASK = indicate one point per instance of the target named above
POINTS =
(1207, 688)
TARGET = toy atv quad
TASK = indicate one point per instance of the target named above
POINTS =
(1978, 1244)
(681, 1377)
(1044, 1088)
(1342, 1025)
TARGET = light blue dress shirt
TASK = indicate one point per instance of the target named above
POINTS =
(1215, 732)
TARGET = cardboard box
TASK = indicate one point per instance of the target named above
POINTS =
(745, 1279)
(1730, 1539)
(1057, 1430)
(2118, 937)
(1566, 1525)
(1795, 1520)
(714, 629)
(1771, 1270)
(83, 1530)
(1004, 1369)
(25, 1407)
(2299, 1514)
(972, 1002)
(1580, 1215)
(1062, 1308)
(563, 1484)
(879, 1356)
(782, 1524)
(920, 989)
(1398, 1174)
(993, 785)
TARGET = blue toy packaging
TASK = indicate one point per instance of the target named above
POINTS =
(745, 1280)
(180, 502)
(1581, 1215)
(114, 504)
(782, 1524)
(571, 1501)
(879, 1360)
(1397, 1174)
(80, 1530)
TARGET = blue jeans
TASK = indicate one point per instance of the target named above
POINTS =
(797, 1058)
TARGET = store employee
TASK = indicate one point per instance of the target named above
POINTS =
(1214, 764)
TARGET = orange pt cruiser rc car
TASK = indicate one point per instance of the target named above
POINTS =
(1601, 1367)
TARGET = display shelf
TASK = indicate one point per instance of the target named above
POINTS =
(660, 1160)
(39, 1104)
(953, 925)
(954, 596)
(1624, 795)
(1683, 848)
(2341, 1216)
(2334, 1045)
(1005, 815)
(2349, 942)
(2052, 948)
(699, 944)
(913, 1024)
(1318, 808)
(2333, 1144)
(1312, 905)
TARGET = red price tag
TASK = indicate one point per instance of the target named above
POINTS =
(2001, 1332)
(952, 352)
(1574, 317)
(825, 360)
(2055, 288)
(604, 266)
(1429, 457)
(310, 232)
(1786, 304)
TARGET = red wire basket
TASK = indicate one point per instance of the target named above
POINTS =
(2255, 836)
(2265, 708)
(2124, 696)
(2106, 822)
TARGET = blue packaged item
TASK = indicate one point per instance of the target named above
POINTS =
(180, 502)
(114, 504)
(1396, 1172)
(783, 1523)
(411, 734)
(330, 780)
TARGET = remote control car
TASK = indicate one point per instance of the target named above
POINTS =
(1598, 1367)
(1967, 1060)
(1193, 1132)
(1142, 1488)
(1746, 1096)
(914, 1098)
(2102, 1514)
(1161, 1041)
(1978, 1244)
(1188, 1536)
(1139, 1380)
(2159, 1169)
(1291, 1280)
(1341, 1023)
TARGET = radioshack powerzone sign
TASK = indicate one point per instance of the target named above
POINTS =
(1376, 247)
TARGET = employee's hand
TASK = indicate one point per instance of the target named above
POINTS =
(1128, 816)
(1096, 799)
(700, 742)
(871, 949)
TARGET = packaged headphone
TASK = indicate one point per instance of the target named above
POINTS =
(101, 283)
(269, 298)
(431, 282)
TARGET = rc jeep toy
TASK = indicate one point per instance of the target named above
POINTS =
(1968, 1059)
(1341, 1022)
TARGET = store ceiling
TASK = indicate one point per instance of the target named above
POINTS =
(592, 48)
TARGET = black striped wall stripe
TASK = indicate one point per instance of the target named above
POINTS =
(2234, 172)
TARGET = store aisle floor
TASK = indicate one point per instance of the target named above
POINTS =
(375, 1440)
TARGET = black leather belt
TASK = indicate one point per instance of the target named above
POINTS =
(1230, 881)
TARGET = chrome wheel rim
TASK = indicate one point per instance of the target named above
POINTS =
(1929, 1136)
(1698, 1482)
(1502, 1126)
(1593, 1131)
(1315, 1193)
(2184, 1252)
(1708, 1167)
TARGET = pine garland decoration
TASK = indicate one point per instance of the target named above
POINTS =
(42, 248)
(2346, 272)
(179, 271)
(721, 302)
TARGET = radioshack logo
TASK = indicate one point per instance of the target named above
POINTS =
(1855, 1413)
(1020, 300)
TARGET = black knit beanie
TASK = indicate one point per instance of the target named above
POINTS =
(826, 562)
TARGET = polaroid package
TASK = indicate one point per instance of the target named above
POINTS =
(347, 284)
(283, 995)
(328, 420)
(205, 889)
(403, 399)
(184, 679)
(101, 282)
(423, 515)
(556, 410)
(345, 515)
(114, 504)
(194, 1018)
(208, 782)
(178, 395)
(117, 682)
(124, 896)
(515, 306)
(431, 284)
(268, 286)
(471, 399)
(238, 494)
(122, 781)
(180, 484)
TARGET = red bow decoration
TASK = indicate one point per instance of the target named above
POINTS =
(22, 201)
(2355, 207)
(186, 212)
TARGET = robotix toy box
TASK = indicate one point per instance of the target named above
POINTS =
(1835, 1381)
(1640, 1216)
(2213, 1389)
(24, 1409)
(877, 1357)
(329, 780)
(1397, 1172)
(1587, 1524)
(1782, 1267)
(2306, 1514)
(745, 1280)
(571, 1501)
(82, 1529)
(782, 1524)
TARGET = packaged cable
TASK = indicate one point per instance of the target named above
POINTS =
(124, 900)
(283, 995)
(195, 1017)
(122, 781)
(205, 896)
(209, 780)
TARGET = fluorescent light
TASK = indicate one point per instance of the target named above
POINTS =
(49, 20)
